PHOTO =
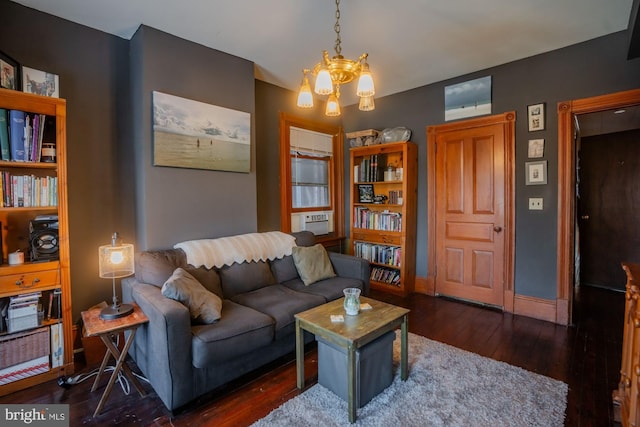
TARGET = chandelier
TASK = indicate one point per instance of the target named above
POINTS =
(330, 73)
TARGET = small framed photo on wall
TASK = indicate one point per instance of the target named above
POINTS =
(536, 148)
(9, 72)
(535, 114)
(536, 173)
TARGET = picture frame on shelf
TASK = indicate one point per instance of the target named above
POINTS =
(40, 82)
(365, 193)
(9, 72)
(536, 173)
(536, 148)
(535, 116)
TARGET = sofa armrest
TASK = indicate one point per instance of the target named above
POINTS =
(162, 347)
(351, 266)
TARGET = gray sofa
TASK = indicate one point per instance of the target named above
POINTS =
(183, 360)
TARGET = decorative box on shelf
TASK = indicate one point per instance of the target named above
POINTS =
(363, 137)
(24, 354)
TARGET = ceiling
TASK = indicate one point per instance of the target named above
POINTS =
(411, 43)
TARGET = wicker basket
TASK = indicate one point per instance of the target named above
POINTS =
(363, 137)
(23, 346)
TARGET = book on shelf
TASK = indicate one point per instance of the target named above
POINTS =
(5, 154)
(28, 190)
(25, 134)
(364, 217)
(371, 168)
(17, 132)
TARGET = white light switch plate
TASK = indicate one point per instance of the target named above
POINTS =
(535, 203)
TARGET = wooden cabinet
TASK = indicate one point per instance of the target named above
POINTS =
(47, 275)
(383, 213)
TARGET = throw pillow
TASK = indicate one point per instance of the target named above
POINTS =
(204, 306)
(312, 263)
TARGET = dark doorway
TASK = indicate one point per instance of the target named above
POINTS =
(607, 204)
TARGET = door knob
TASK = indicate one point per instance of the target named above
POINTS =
(497, 229)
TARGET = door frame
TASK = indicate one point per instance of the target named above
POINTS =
(508, 121)
(566, 188)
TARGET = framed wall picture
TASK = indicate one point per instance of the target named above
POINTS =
(536, 173)
(536, 148)
(535, 114)
(196, 135)
(40, 82)
(9, 72)
(365, 193)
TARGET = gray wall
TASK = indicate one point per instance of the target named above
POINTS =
(92, 67)
(553, 77)
(175, 204)
(113, 185)
(587, 69)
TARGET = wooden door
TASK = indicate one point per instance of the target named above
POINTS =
(470, 213)
(607, 207)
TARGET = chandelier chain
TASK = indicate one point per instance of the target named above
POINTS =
(338, 45)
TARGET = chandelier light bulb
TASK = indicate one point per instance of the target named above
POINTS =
(365, 82)
(333, 105)
(305, 97)
(324, 85)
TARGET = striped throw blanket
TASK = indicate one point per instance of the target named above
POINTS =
(243, 247)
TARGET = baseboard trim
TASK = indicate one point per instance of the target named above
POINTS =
(425, 285)
(538, 308)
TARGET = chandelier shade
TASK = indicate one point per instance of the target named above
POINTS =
(330, 73)
(305, 98)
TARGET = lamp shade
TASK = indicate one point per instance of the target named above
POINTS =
(333, 106)
(305, 98)
(324, 84)
(366, 103)
(365, 82)
(116, 260)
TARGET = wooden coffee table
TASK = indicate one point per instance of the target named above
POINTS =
(353, 333)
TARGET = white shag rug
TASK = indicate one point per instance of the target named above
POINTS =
(446, 387)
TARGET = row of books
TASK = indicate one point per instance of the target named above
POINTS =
(380, 254)
(370, 169)
(376, 220)
(22, 135)
(395, 197)
(18, 191)
(385, 275)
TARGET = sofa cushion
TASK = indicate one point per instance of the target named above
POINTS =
(284, 269)
(281, 303)
(204, 306)
(312, 263)
(245, 277)
(155, 267)
(208, 277)
(330, 289)
(239, 331)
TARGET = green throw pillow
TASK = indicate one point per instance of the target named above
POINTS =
(312, 263)
(204, 306)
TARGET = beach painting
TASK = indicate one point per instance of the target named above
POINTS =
(196, 135)
(467, 99)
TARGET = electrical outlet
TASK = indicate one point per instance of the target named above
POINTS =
(535, 203)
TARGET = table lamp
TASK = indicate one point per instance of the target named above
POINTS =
(116, 260)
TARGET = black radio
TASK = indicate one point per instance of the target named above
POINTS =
(43, 235)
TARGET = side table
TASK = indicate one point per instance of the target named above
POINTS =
(108, 330)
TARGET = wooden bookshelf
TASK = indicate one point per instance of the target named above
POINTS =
(38, 275)
(384, 231)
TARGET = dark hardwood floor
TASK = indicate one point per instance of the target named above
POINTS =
(585, 355)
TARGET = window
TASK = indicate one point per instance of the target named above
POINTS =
(311, 177)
